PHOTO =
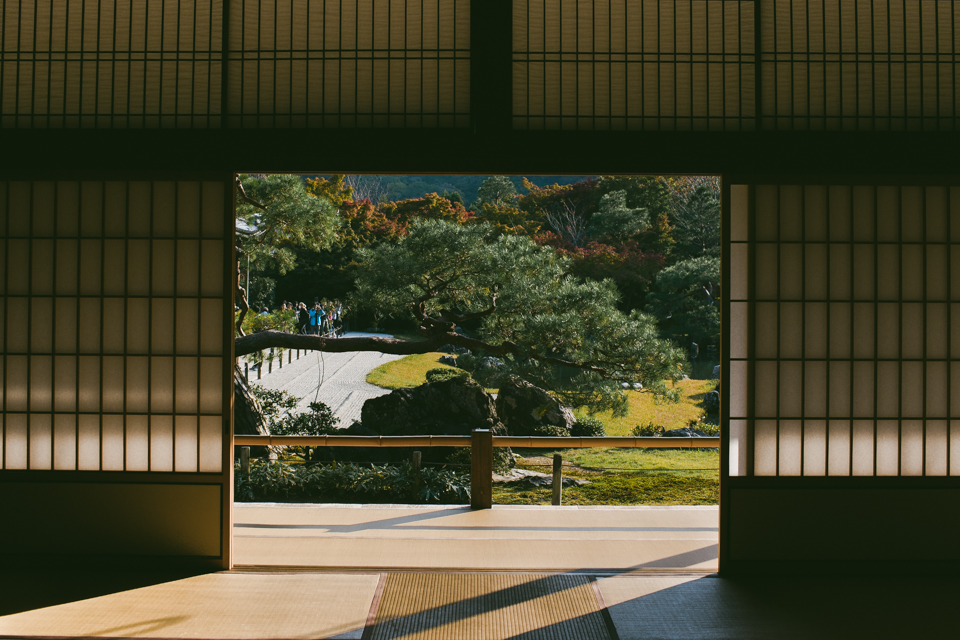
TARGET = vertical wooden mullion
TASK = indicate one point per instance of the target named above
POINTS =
(151, 238)
(200, 298)
(923, 408)
(126, 317)
(779, 320)
(829, 303)
(949, 352)
(852, 337)
(900, 337)
(876, 319)
(224, 64)
(30, 327)
(176, 300)
(103, 277)
(752, 335)
(229, 287)
(725, 328)
(758, 65)
(6, 313)
(803, 323)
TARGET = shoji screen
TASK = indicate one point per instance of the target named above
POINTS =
(110, 63)
(113, 312)
(349, 63)
(634, 64)
(860, 64)
(844, 330)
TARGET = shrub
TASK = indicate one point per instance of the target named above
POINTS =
(588, 428)
(280, 481)
(467, 362)
(648, 430)
(550, 430)
(438, 375)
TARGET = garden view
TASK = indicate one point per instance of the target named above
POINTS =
(540, 306)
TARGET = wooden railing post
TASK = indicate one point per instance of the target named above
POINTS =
(245, 461)
(416, 474)
(557, 479)
(481, 469)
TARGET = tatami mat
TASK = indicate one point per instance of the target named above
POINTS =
(214, 606)
(424, 606)
(502, 538)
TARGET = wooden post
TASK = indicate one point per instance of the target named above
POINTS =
(270, 363)
(557, 479)
(259, 369)
(281, 359)
(246, 372)
(481, 469)
(245, 460)
(416, 474)
(289, 356)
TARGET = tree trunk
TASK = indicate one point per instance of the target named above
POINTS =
(247, 414)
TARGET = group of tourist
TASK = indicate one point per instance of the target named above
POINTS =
(322, 318)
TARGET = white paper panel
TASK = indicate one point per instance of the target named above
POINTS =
(840, 329)
(186, 444)
(841, 272)
(211, 268)
(888, 449)
(815, 389)
(211, 444)
(188, 268)
(41, 441)
(739, 272)
(888, 389)
(65, 383)
(765, 448)
(739, 212)
(863, 330)
(791, 272)
(888, 271)
(913, 272)
(936, 333)
(840, 389)
(863, 445)
(90, 268)
(137, 448)
(161, 443)
(840, 437)
(162, 283)
(765, 332)
(936, 452)
(815, 330)
(790, 448)
(138, 329)
(137, 384)
(211, 385)
(911, 389)
(937, 272)
(67, 325)
(791, 389)
(791, 213)
(114, 267)
(766, 384)
(42, 269)
(65, 442)
(187, 325)
(815, 272)
(161, 326)
(766, 272)
(953, 447)
(211, 327)
(814, 447)
(161, 385)
(936, 390)
(738, 329)
(863, 272)
(18, 263)
(888, 330)
(114, 450)
(138, 267)
(767, 212)
(88, 442)
(67, 274)
(15, 443)
(815, 205)
(16, 383)
(41, 327)
(114, 326)
(738, 448)
(791, 330)
(41, 383)
(911, 448)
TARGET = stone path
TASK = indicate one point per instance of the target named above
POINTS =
(337, 379)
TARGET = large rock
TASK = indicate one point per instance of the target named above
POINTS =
(449, 407)
(524, 409)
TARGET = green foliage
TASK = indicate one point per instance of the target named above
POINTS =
(696, 220)
(559, 324)
(683, 300)
(438, 374)
(283, 482)
(273, 402)
(648, 430)
(662, 394)
(615, 221)
(318, 421)
(292, 218)
(285, 321)
(587, 427)
(707, 429)
(549, 431)
(495, 190)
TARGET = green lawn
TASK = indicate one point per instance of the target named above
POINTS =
(617, 476)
